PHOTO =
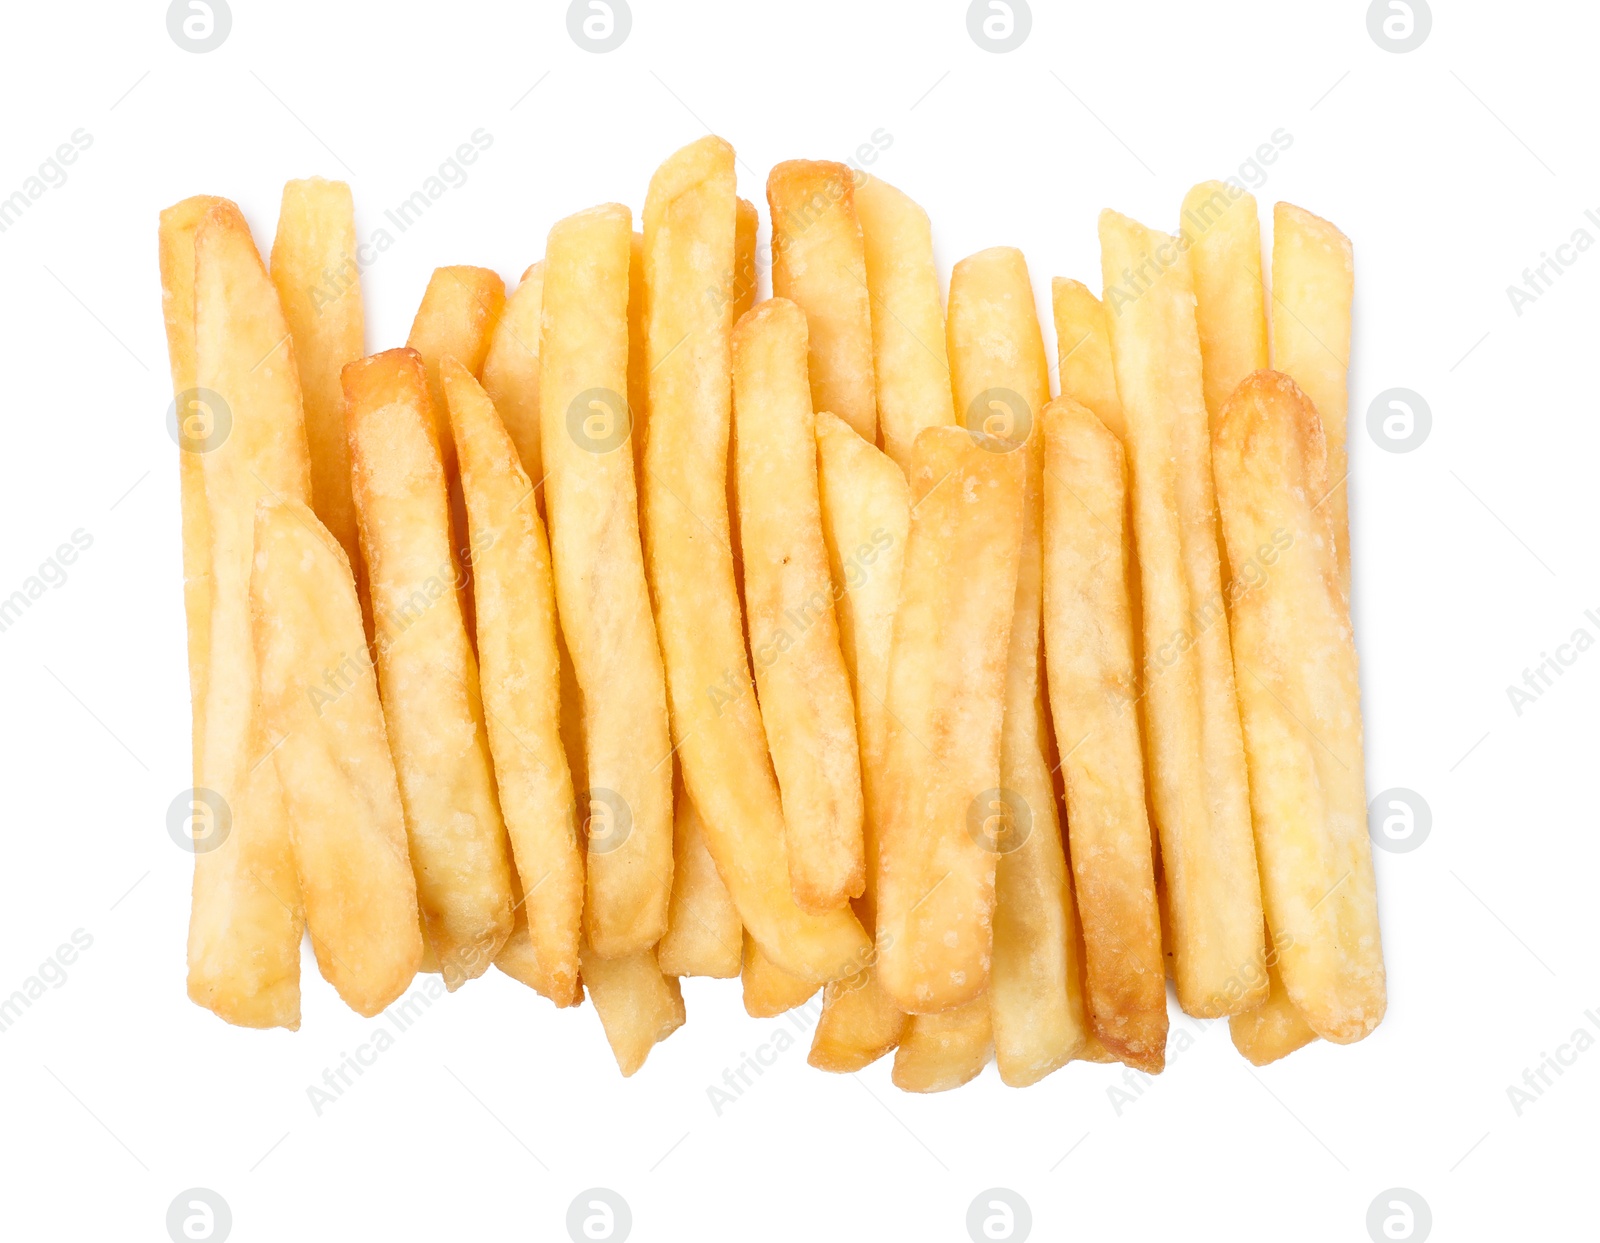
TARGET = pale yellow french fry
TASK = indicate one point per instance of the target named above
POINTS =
(460, 310)
(520, 675)
(511, 371)
(1273, 1030)
(320, 696)
(427, 676)
(947, 682)
(1301, 703)
(689, 227)
(638, 355)
(806, 705)
(195, 422)
(246, 919)
(866, 516)
(319, 287)
(1230, 311)
(703, 933)
(1089, 644)
(638, 1006)
(1093, 1049)
(601, 593)
(908, 347)
(1199, 791)
(1083, 350)
(819, 264)
(1313, 285)
(998, 372)
(942, 1051)
(746, 225)
(769, 990)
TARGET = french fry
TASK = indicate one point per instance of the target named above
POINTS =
(1313, 285)
(1230, 304)
(806, 704)
(1301, 703)
(1089, 643)
(246, 918)
(1083, 350)
(427, 677)
(689, 228)
(319, 287)
(703, 932)
(460, 310)
(511, 371)
(601, 592)
(178, 225)
(819, 264)
(320, 696)
(638, 355)
(638, 1006)
(747, 223)
(908, 347)
(947, 680)
(770, 990)
(997, 361)
(1273, 1030)
(943, 1051)
(1093, 1049)
(1199, 791)
(520, 678)
(866, 515)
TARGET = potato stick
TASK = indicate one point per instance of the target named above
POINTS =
(703, 933)
(1313, 285)
(998, 372)
(319, 286)
(519, 956)
(511, 372)
(638, 1006)
(1273, 1030)
(908, 349)
(689, 227)
(866, 514)
(638, 355)
(770, 990)
(320, 696)
(1083, 350)
(1230, 304)
(743, 291)
(806, 705)
(943, 1051)
(1301, 703)
(1089, 643)
(947, 678)
(178, 224)
(819, 264)
(601, 593)
(1195, 747)
(246, 919)
(427, 676)
(520, 675)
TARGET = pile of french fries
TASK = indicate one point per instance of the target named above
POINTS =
(619, 629)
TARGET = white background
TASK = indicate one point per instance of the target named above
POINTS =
(1452, 167)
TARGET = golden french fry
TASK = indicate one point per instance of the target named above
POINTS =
(520, 676)
(1313, 284)
(1089, 642)
(638, 355)
(1199, 791)
(1230, 305)
(319, 287)
(1083, 350)
(427, 676)
(908, 347)
(1301, 703)
(194, 423)
(947, 681)
(1000, 382)
(1273, 1030)
(806, 705)
(511, 371)
(866, 515)
(457, 318)
(638, 1006)
(819, 264)
(246, 918)
(1093, 1049)
(689, 227)
(320, 696)
(942, 1051)
(747, 223)
(626, 789)
(703, 932)
(770, 990)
